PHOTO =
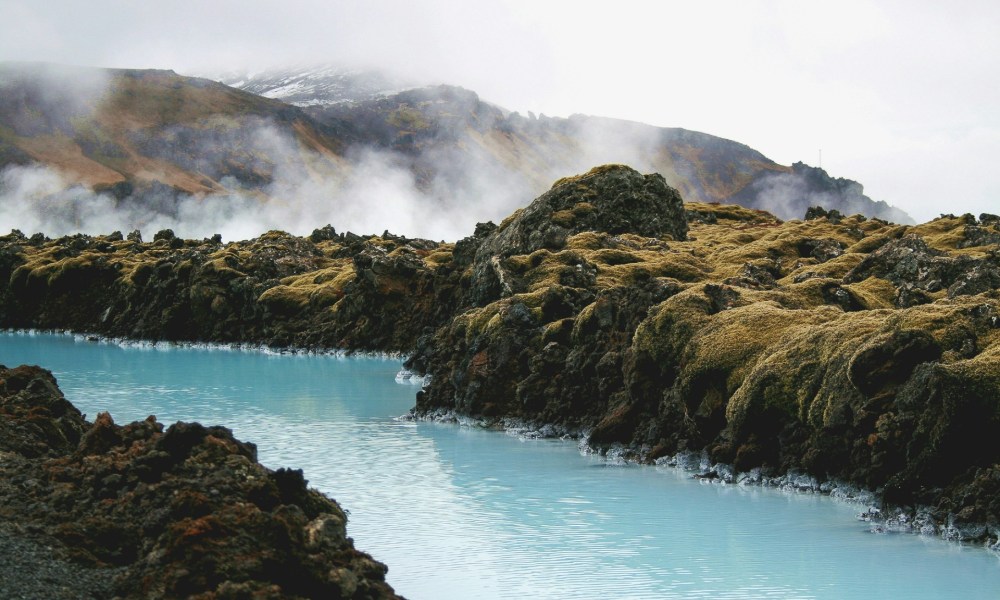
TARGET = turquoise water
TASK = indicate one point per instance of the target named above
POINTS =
(464, 513)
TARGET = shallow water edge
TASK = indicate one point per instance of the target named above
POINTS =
(882, 518)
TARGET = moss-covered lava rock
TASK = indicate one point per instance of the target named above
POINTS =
(327, 290)
(612, 199)
(182, 512)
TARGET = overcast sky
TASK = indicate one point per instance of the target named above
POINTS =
(901, 96)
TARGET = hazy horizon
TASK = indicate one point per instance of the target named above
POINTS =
(897, 96)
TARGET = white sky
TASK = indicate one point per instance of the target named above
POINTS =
(901, 96)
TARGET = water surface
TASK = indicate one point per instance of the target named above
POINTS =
(458, 512)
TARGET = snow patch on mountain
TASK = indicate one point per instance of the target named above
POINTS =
(315, 85)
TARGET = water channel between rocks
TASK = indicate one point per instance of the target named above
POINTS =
(458, 512)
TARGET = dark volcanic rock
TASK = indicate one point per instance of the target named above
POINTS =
(980, 236)
(916, 268)
(329, 290)
(770, 345)
(544, 360)
(163, 514)
(907, 260)
(35, 419)
(612, 199)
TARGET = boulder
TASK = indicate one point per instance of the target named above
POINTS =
(612, 199)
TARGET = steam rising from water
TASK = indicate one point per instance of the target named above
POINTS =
(373, 193)
(370, 191)
(439, 193)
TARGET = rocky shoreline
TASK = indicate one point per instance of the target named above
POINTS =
(842, 348)
(882, 518)
(99, 510)
(33, 568)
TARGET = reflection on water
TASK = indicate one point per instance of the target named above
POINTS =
(459, 513)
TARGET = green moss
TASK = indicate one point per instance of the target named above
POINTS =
(474, 322)
(564, 218)
(731, 212)
(438, 258)
(611, 257)
(275, 235)
(783, 352)
(220, 268)
(577, 179)
(875, 241)
(731, 340)
(558, 331)
(669, 325)
(283, 299)
(676, 265)
(875, 293)
(587, 240)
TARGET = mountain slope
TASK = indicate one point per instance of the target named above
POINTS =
(162, 150)
(446, 131)
(434, 120)
(119, 130)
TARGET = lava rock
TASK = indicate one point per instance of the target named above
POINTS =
(211, 523)
(613, 199)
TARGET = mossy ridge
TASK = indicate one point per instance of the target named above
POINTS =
(771, 348)
(580, 180)
(277, 288)
(716, 212)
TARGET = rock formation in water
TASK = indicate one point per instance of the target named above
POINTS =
(837, 346)
(142, 512)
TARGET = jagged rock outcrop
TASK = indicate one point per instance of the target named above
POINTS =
(181, 512)
(917, 269)
(612, 199)
(329, 290)
(802, 189)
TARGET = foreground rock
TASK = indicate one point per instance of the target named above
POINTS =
(137, 511)
(837, 346)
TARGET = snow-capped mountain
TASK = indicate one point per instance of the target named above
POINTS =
(314, 86)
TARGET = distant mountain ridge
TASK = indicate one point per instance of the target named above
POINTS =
(313, 85)
(425, 123)
(122, 130)
(149, 139)
(350, 96)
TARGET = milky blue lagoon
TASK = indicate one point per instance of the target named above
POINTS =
(464, 513)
